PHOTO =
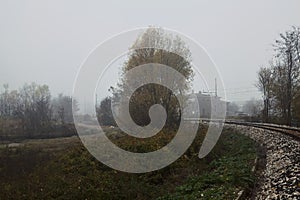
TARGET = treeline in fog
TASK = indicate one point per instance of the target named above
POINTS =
(280, 81)
(32, 112)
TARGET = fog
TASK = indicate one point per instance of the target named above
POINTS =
(46, 42)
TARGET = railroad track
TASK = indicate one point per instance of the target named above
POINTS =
(294, 132)
(281, 177)
(287, 130)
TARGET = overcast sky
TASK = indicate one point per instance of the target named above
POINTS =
(46, 41)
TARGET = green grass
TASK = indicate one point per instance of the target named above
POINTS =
(225, 176)
(63, 169)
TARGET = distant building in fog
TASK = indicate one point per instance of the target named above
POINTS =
(205, 102)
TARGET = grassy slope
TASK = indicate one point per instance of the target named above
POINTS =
(63, 169)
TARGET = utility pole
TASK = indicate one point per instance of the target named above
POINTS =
(216, 87)
(96, 100)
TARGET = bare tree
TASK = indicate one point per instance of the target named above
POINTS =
(264, 85)
(280, 83)
(287, 49)
(34, 108)
(62, 108)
